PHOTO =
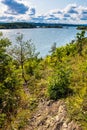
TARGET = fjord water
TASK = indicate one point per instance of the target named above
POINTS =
(43, 38)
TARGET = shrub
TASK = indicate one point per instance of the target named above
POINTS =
(58, 84)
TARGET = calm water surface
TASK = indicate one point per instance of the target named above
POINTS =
(43, 38)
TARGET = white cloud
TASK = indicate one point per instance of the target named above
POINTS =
(3, 8)
(25, 2)
(8, 14)
(70, 14)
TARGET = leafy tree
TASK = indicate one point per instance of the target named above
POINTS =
(80, 38)
(8, 83)
(23, 51)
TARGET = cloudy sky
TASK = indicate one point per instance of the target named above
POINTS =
(51, 11)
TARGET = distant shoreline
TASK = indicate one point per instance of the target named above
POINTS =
(22, 25)
(25, 25)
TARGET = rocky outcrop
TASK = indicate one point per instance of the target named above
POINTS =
(51, 115)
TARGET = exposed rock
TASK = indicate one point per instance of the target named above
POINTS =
(52, 115)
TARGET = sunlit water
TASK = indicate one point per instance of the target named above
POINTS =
(43, 38)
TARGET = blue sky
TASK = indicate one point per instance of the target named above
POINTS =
(50, 11)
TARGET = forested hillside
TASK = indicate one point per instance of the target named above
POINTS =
(27, 80)
(16, 25)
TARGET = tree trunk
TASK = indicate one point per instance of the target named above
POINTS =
(23, 75)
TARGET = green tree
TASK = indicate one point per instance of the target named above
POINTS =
(8, 83)
(22, 52)
(80, 40)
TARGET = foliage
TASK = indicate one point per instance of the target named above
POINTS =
(8, 83)
(59, 53)
(2, 119)
(22, 52)
(62, 72)
(80, 38)
(33, 103)
(59, 84)
(16, 25)
(70, 49)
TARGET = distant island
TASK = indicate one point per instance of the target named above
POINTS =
(18, 25)
(82, 27)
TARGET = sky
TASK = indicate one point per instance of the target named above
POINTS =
(44, 11)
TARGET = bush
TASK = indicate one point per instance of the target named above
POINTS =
(58, 85)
